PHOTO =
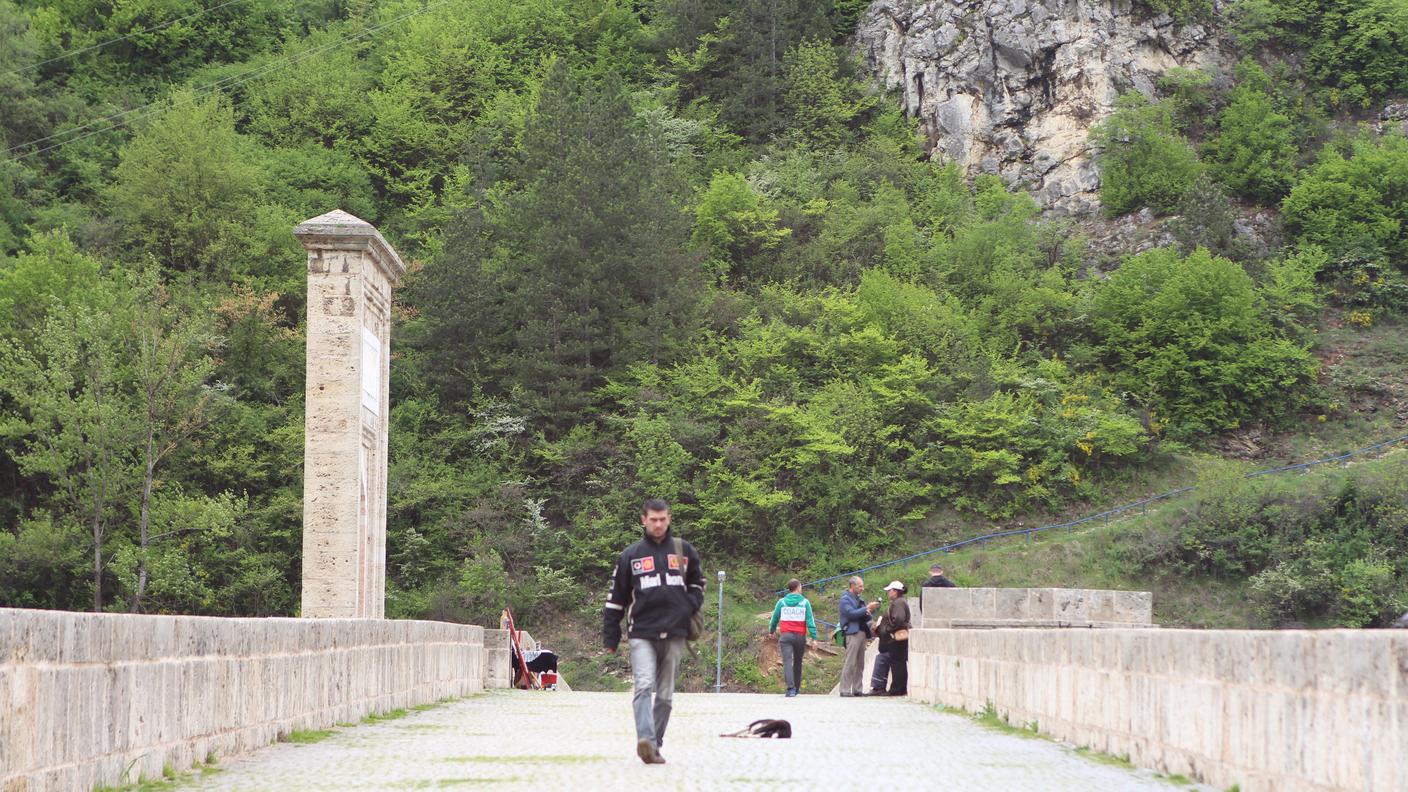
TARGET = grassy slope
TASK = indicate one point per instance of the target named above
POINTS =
(1365, 381)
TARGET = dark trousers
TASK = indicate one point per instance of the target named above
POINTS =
(899, 667)
(794, 648)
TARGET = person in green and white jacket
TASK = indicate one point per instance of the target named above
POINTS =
(792, 617)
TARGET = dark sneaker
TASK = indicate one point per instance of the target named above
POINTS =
(791, 692)
(645, 749)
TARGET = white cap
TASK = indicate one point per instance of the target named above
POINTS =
(896, 585)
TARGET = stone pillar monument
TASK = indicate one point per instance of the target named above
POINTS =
(351, 271)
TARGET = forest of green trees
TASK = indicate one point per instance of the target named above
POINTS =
(677, 248)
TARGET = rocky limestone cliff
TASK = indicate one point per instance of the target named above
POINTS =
(1013, 87)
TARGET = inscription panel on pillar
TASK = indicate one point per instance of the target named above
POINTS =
(371, 375)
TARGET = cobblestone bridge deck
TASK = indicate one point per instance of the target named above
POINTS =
(561, 740)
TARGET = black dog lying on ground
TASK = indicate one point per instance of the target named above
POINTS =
(764, 728)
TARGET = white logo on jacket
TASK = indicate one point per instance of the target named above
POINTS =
(649, 581)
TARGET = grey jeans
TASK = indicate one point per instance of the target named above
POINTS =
(653, 665)
(854, 667)
(794, 648)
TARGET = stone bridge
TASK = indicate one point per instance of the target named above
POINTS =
(534, 740)
(89, 700)
(92, 700)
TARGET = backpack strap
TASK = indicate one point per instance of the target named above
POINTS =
(679, 551)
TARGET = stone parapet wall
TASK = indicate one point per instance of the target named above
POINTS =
(498, 669)
(1043, 624)
(1036, 607)
(1266, 710)
(105, 699)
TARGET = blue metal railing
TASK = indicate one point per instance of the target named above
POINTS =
(820, 584)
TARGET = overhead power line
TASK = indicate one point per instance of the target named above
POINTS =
(127, 116)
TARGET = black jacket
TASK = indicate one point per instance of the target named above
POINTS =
(655, 589)
(938, 581)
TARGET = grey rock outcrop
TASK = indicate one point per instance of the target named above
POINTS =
(1393, 118)
(1013, 87)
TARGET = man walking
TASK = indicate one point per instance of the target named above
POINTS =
(855, 624)
(793, 616)
(658, 583)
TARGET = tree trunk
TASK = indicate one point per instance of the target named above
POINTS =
(144, 521)
(100, 498)
(97, 561)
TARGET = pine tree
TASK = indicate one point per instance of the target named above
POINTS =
(578, 269)
(741, 68)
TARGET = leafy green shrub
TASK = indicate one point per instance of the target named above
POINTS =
(1359, 592)
(1369, 591)
(1020, 293)
(1325, 546)
(733, 223)
(1357, 49)
(1207, 219)
(845, 416)
(43, 563)
(1180, 10)
(1189, 92)
(1286, 590)
(938, 325)
(1143, 161)
(1355, 207)
(1252, 23)
(823, 101)
(185, 190)
(309, 178)
(1028, 443)
(1254, 151)
(482, 587)
(1185, 337)
(1292, 293)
